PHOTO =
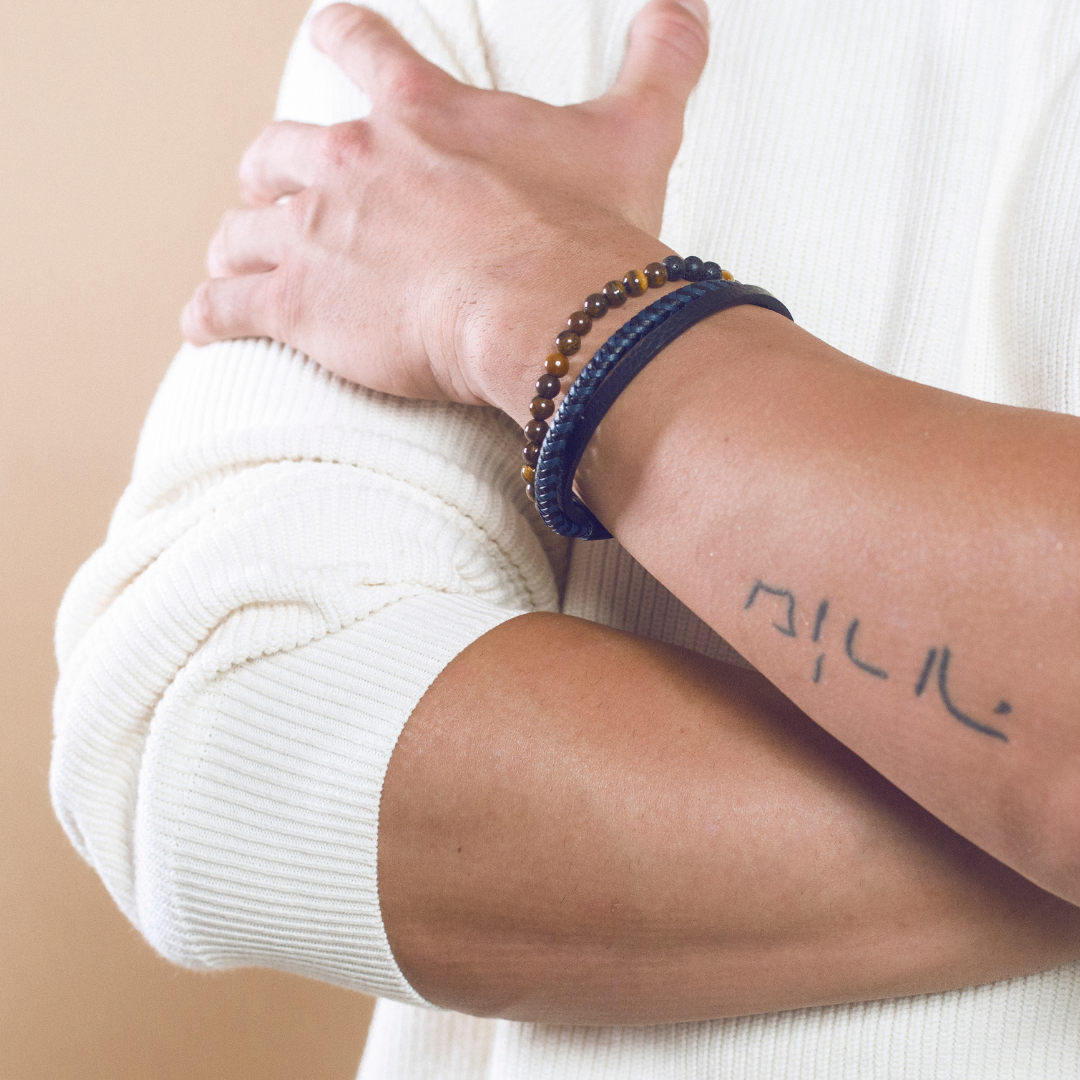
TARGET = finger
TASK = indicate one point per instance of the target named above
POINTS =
(376, 57)
(246, 242)
(229, 308)
(669, 44)
(281, 161)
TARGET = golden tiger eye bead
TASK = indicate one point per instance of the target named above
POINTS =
(635, 282)
(595, 305)
(541, 408)
(727, 275)
(580, 323)
(547, 386)
(535, 430)
(614, 294)
(656, 275)
(531, 492)
(528, 473)
(568, 343)
(531, 453)
(557, 364)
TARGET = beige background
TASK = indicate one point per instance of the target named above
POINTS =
(121, 123)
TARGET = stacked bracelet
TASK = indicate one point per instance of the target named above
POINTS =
(568, 342)
(553, 457)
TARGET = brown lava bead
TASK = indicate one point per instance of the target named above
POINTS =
(568, 342)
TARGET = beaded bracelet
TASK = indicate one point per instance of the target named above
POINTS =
(605, 376)
(568, 342)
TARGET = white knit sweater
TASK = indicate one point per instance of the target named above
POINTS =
(296, 559)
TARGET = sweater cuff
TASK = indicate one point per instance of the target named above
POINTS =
(257, 823)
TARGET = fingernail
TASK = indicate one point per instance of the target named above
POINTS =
(698, 8)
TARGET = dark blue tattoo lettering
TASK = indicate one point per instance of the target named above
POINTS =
(822, 611)
(760, 586)
(817, 667)
(849, 646)
(928, 667)
(943, 678)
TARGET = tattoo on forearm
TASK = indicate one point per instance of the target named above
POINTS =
(935, 657)
(849, 648)
(760, 587)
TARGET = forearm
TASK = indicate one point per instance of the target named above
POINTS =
(902, 562)
(652, 837)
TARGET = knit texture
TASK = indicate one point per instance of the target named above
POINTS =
(296, 559)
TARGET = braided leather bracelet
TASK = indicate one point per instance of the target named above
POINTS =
(605, 376)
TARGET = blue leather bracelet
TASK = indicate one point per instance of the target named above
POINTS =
(605, 376)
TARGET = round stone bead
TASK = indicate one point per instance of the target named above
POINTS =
(557, 364)
(712, 271)
(614, 294)
(580, 323)
(531, 453)
(674, 266)
(531, 492)
(568, 342)
(528, 473)
(595, 305)
(635, 282)
(541, 408)
(547, 386)
(693, 268)
(535, 430)
(656, 275)
(727, 275)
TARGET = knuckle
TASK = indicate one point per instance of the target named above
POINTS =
(250, 169)
(217, 257)
(199, 316)
(409, 82)
(343, 144)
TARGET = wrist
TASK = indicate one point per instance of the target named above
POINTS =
(504, 343)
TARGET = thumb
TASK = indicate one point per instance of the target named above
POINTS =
(375, 56)
(669, 44)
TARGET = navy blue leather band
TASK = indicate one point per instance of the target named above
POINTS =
(605, 376)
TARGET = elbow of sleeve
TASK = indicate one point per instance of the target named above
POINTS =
(254, 823)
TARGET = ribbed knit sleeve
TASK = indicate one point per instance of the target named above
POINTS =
(294, 562)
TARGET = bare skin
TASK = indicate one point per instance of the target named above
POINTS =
(902, 563)
(657, 837)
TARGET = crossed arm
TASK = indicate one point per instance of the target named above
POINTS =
(902, 646)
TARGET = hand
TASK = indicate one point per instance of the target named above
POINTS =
(454, 226)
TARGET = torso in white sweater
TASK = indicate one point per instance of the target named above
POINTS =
(296, 559)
